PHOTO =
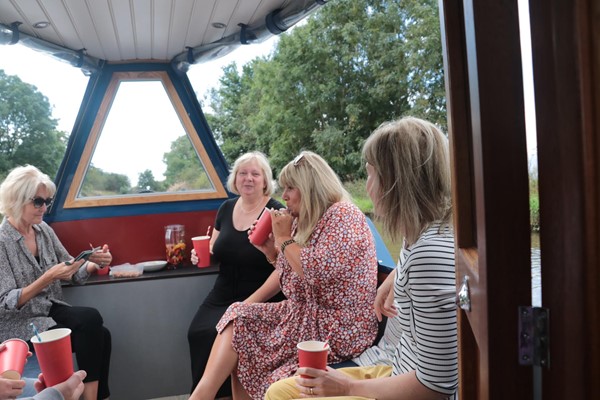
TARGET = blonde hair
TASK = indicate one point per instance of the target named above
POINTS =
(319, 188)
(411, 160)
(262, 162)
(19, 187)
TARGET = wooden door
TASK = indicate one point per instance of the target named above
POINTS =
(491, 201)
(566, 66)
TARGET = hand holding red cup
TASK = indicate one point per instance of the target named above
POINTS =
(313, 354)
(13, 356)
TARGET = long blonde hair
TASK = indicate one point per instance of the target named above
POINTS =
(319, 188)
(19, 187)
(411, 160)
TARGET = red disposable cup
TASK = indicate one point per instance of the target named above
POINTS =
(103, 271)
(12, 358)
(202, 247)
(313, 354)
(54, 355)
(262, 229)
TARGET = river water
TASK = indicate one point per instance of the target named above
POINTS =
(536, 277)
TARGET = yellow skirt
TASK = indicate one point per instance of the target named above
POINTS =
(286, 389)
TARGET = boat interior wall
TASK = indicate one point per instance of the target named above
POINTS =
(132, 239)
(88, 34)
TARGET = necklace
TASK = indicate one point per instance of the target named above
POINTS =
(250, 211)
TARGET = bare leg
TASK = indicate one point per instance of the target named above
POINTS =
(238, 391)
(221, 363)
(90, 390)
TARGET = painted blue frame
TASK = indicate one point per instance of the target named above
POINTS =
(89, 108)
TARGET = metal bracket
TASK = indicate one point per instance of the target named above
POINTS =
(534, 336)
(15, 32)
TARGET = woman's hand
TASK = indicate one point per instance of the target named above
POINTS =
(63, 271)
(10, 388)
(194, 257)
(282, 223)
(102, 257)
(71, 389)
(384, 301)
(323, 384)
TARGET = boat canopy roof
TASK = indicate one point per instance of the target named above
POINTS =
(182, 32)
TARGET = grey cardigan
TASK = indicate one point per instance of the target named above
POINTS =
(18, 269)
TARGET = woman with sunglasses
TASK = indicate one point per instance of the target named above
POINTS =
(33, 262)
(324, 254)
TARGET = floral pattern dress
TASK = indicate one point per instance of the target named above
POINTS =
(335, 297)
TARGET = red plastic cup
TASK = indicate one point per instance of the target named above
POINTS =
(202, 247)
(313, 354)
(54, 355)
(12, 358)
(262, 229)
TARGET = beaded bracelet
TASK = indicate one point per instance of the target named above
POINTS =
(286, 244)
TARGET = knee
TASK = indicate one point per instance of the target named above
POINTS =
(91, 320)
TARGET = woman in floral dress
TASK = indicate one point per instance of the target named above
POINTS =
(324, 253)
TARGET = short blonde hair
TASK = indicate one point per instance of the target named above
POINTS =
(19, 187)
(411, 160)
(262, 162)
(319, 188)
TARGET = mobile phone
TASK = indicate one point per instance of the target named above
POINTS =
(84, 255)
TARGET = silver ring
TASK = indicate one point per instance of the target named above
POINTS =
(311, 391)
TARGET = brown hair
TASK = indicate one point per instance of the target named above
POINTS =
(411, 160)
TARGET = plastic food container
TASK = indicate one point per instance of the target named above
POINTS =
(126, 271)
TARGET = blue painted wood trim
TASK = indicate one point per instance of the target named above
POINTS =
(90, 105)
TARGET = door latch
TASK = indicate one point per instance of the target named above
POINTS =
(463, 297)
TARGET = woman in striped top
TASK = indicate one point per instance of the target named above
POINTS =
(408, 180)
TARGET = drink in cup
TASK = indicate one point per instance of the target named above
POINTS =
(313, 354)
(262, 229)
(54, 355)
(202, 247)
(12, 358)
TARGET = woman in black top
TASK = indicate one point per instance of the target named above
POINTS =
(244, 272)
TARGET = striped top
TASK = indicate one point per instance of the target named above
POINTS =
(425, 298)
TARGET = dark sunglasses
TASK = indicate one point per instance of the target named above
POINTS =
(38, 202)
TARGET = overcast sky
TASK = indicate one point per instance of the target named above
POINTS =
(64, 86)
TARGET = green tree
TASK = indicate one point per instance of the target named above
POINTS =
(332, 81)
(28, 133)
(184, 171)
(97, 182)
(147, 182)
